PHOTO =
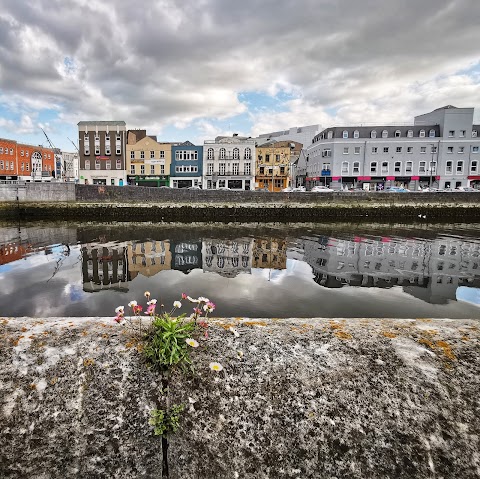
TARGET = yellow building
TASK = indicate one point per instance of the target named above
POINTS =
(273, 164)
(148, 258)
(270, 253)
(148, 161)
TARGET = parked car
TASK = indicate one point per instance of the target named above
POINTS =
(467, 189)
(300, 188)
(288, 189)
(224, 188)
(194, 187)
(396, 189)
(321, 189)
(430, 190)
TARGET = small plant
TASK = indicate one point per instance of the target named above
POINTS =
(165, 422)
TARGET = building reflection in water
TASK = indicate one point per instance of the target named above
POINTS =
(430, 270)
(105, 267)
(227, 257)
(270, 253)
(186, 255)
(148, 258)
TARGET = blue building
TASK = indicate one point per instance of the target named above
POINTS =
(187, 165)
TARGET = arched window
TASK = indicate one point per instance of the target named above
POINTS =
(422, 134)
(37, 161)
(345, 168)
(373, 134)
(248, 153)
(236, 153)
(397, 134)
(410, 133)
(356, 134)
(431, 133)
(384, 134)
(222, 153)
(210, 154)
(345, 134)
(474, 133)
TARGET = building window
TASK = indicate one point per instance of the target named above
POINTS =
(374, 150)
(152, 169)
(1, 150)
(152, 154)
(248, 169)
(433, 149)
(461, 149)
(449, 167)
(474, 133)
(119, 164)
(222, 153)
(132, 155)
(345, 168)
(423, 149)
(433, 167)
(462, 133)
(398, 167)
(384, 167)
(385, 149)
(373, 167)
(248, 153)
(132, 169)
(142, 155)
(356, 134)
(21, 153)
(451, 133)
(431, 134)
(450, 149)
(397, 134)
(221, 168)
(345, 134)
(422, 134)
(356, 150)
(28, 166)
(345, 150)
(26, 154)
(97, 165)
(330, 135)
(422, 167)
(87, 164)
(162, 154)
(1, 165)
(11, 151)
(460, 166)
(267, 158)
(209, 168)
(142, 169)
(356, 167)
(410, 133)
(162, 169)
(236, 154)
(384, 134)
(409, 149)
(277, 158)
(236, 168)
(474, 166)
(408, 167)
(108, 165)
(398, 149)
(373, 134)
(474, 149)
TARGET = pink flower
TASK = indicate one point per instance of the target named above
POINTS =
(197, 311)
(137, 309)
(118, 319)
(184, 296)
(150, 310)
(203, 324)
(209, 307)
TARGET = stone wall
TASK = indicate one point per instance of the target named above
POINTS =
(318, 398)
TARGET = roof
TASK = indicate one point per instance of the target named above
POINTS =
(447, 107)
(102, 123)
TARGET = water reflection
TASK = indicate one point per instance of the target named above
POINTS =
(276, 272)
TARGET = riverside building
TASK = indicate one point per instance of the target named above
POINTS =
(440, 149)
(229, 162)
(187, 165)
(102, 152)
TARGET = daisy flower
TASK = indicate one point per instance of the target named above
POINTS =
(152, 301)
(120, 309)
(177, 304)
(147, 294)
(191, 342)
(216, 367)
(132, 304)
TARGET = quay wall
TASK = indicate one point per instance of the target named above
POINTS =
(52, 201)
(297, 398)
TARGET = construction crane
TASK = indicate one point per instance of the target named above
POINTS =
(59, 169)
(76, 147)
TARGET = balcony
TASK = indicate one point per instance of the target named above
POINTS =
(229, 173)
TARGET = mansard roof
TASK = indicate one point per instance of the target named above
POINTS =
(366, 131)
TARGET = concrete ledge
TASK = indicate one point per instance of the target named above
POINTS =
(316, 398)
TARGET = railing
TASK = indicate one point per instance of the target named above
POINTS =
(229, 173)
(230, 157)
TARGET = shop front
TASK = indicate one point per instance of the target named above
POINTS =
(148, 180)
(474, 182)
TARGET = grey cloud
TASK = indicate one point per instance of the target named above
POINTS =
(165, 60)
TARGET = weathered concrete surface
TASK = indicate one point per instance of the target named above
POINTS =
(315, 398)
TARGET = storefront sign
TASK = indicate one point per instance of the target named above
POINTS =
(154, 162)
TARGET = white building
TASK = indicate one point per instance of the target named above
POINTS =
(229, 162)
(440, 149)
(70, 166)
(300, 134)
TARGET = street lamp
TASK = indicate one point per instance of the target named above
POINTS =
(431, 165)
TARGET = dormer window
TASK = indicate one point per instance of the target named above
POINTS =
(397, 134)
(356, 134)
(410, 133)
(422, 134)
(474, 133)
(373, 134)
(431, 134)
(384, 134)
(330, 135)
(345, 134)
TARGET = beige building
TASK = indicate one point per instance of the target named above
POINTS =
(148, 258)
(273, 164)
(148, 161)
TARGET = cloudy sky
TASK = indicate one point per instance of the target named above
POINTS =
(193, 69)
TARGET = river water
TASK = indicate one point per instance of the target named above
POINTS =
(274, 270)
